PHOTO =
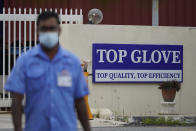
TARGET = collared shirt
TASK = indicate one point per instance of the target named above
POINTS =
(49, 105)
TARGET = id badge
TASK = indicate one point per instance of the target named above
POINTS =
(64, 79)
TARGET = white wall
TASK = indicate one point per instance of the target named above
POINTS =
(135, 99)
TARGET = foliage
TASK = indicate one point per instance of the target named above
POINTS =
(97, 115)
(170, 84)
(163, 122)
(122, 118)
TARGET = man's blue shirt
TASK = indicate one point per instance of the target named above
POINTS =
(48, 107)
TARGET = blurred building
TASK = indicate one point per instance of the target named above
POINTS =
(125, 12)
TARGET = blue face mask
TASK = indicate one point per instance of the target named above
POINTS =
(48, 39)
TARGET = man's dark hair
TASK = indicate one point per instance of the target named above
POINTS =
(46, 15)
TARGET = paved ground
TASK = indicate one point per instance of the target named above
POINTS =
(145, 129)
(6, 123)
(135, 129)
(100, 125)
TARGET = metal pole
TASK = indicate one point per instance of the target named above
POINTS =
(3, 55)
(155, 12)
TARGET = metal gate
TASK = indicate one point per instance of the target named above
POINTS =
(19, 35)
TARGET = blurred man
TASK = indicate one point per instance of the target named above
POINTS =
(52, 81)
